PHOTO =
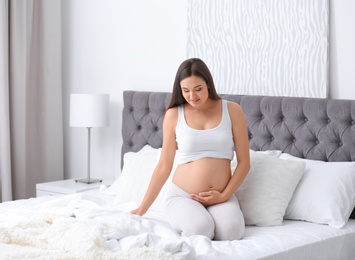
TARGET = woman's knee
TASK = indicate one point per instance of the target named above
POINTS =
(236, 232)
(230, 231)
(198, 226)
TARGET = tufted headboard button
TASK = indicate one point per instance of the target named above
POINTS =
(328, 120)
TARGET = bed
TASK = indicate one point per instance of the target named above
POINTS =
(298, 199)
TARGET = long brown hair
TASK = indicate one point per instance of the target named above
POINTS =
(189, 67)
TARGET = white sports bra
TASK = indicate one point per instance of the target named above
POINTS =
(194, 144)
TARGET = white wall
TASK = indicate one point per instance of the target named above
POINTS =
(110, 46)
(113, 45)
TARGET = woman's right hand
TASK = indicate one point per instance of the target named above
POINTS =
(138, 211)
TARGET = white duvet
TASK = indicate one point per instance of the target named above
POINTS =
(75, 227)
(91, 226)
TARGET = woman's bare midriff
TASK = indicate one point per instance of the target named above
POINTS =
(203, 175)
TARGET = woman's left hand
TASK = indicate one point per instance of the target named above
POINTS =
(208, 198)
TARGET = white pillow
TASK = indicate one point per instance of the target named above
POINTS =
(326, 193)
(268, 188)
(132, 184)
(274, 153)
(137, 171)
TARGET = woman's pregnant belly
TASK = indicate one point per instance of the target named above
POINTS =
(203, 175)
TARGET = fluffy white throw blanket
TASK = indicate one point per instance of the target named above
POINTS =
(75, 228)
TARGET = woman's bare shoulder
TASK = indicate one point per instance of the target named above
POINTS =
(171, 113)
(234, 108)
(171, 117)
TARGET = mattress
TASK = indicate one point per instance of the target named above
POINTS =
(92, 225)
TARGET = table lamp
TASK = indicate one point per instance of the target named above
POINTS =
(89, 110)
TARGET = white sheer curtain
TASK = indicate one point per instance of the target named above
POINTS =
(31, 128)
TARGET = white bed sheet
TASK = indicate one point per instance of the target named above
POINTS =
(123, 236)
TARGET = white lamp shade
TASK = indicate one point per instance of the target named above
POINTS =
(89, 110)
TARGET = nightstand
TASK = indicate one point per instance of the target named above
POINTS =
(67, 187)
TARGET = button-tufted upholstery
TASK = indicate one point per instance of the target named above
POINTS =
(318, 129)
(142, 119)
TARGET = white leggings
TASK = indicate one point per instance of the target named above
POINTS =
(223, 221)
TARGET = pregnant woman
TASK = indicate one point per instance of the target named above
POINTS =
(203, 131)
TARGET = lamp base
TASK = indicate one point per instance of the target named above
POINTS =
(88, 181)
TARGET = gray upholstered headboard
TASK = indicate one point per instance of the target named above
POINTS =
(318, 129)
(311, 128)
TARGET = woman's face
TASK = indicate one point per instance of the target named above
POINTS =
(194, 90)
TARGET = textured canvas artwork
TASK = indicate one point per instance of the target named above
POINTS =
(262, 47)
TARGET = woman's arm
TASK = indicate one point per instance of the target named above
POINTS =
(165, 163)
(241, 144)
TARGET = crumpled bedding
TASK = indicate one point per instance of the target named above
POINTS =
(72, 227)
(93, 226)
